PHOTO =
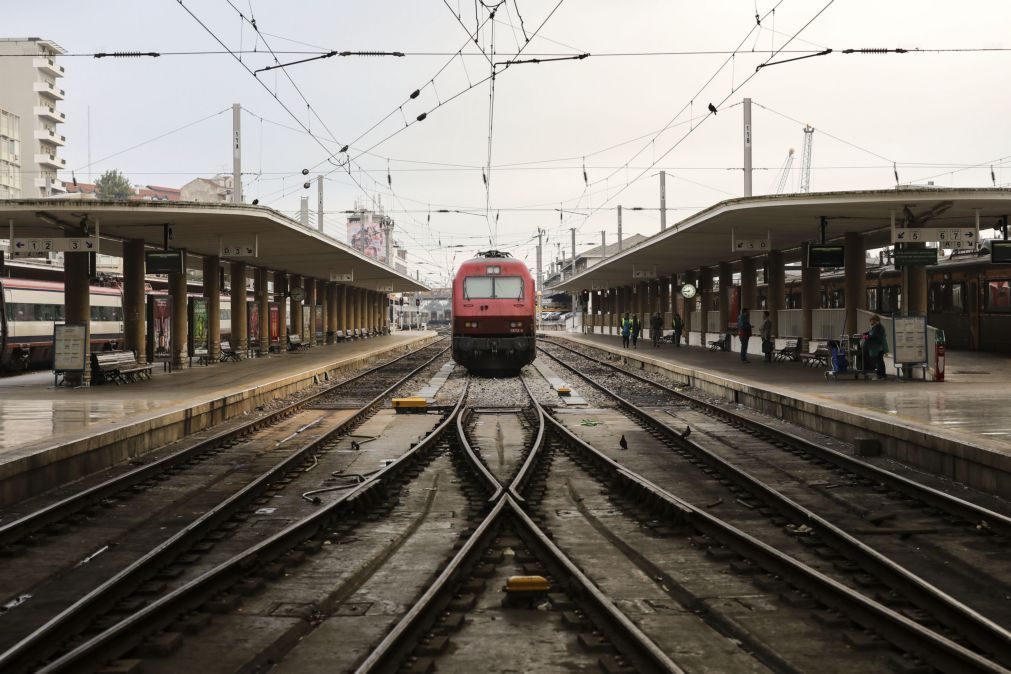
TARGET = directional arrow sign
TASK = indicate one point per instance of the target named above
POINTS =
(37, 247)
(949, 237)
(749, 245)
(342, 277)
(238, 249)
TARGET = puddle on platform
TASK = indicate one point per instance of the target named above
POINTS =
(982, 414)
(27, 421)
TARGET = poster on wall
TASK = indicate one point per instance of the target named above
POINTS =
(319, 323)
(306, 325)
(199, 342)
(909, 340)
(275, 323)
(70, 347)
(253, 324)
(159, 329)
(366, 234)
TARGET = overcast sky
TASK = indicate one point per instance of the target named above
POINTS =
(939, 116)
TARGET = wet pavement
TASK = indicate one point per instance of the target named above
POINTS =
(972, 402)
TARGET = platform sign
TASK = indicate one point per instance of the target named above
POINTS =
(165, 261)
(948, 237)
(342, 277)
(643, 273)
(826, 256)
(253, 323)
(42, 246)
(70, 347)
(1000, 251)
(385, 288)
(199, 341)
(159, 329)
(915, 257)
(909, 340)
(750, 245)
(233, 248)
(274, 311)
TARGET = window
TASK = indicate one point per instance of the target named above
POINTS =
(509, 288)
(478, 288)
(998, 297)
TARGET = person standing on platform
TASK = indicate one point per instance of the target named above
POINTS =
(656, 329)
(636, 329)
(875, 347)
(744, 333)
(678, 326)
(626, 330)
(766, 333)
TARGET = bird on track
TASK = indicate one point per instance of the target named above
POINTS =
(355, 446)
(686, 432)
(623, 443)
(712, 108)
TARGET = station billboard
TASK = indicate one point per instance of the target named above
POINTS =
(366, 234)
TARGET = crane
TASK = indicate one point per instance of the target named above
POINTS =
(805, 167)
(785, 171)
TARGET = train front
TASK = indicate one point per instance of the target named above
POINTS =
(493, 314)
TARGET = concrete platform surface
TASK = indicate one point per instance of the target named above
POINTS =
(32, 410)
(972, 401)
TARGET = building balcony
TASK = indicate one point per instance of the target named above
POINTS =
(49, 113)
(50, 160)
(47, 136)
(48, 66)
(55, 186)
(49, 89)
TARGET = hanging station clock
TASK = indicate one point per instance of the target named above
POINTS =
(688, 291)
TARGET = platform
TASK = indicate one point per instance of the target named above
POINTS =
(49, 433)
(959, 428)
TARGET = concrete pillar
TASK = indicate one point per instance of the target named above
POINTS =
(775, 294)
(323, 309)
(212, 293)
(855, 296)
(685, 306)
(665, 306)
(342, 308)
(280, 292)
(360, 305)
(77, 304)
(263, 299)
(368, 316)
(706, 293)
(295, 281)
(134, 311)
(331, 313)
(726, 282)
(914, 287)
(353, 308)
(239, 338)
(749, 287)
(310, 306)
(180, 323)
(810, 278)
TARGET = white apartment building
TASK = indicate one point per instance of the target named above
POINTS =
(10, 155)
(30, 90)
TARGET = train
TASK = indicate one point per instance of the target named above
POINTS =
(494, 302)
(31, 308)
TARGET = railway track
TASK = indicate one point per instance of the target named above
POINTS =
(143, 547)
(713, 478)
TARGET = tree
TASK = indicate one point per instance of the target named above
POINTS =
(114, 186)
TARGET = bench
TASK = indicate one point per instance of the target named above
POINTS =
(816, 358)
(117, 366)
(721, 344)
(228, 353)
(295, 343)
(790, 351)
(357, 334)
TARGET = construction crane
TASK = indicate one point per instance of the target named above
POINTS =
(805, 167)
(784, 172)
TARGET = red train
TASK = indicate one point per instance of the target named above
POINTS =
(494, 301)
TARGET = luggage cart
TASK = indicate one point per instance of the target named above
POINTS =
(846, 358)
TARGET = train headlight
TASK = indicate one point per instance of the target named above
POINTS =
(515, 324)
(470, 324)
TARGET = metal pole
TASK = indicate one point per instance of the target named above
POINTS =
(573, 231)
(663, 201)
(619, 229)
(540, 255)
(236, 153)
(319, 206)
(304, 211)
(603, 244)
(747, 147)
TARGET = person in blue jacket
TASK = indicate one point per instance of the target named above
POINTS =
(636, 329)
(626, 330)
(744, 332)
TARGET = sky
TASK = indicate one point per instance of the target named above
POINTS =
(570, 139)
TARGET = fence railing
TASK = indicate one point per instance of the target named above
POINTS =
(696, 320)
(713, 323)
(791, 322)
(827, 323)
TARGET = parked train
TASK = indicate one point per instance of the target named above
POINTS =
(494, 302)
(31, 308)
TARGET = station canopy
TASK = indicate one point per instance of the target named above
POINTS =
(786, 222)
(282, 244)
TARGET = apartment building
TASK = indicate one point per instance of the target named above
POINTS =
(30, 91)
(10, 155)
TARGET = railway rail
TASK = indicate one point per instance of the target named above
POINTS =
(140, 574)
(745, 499)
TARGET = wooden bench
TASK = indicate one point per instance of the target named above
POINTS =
(357, 334)
(721, 344)
(117, 366)
(295, 343)
(790, 351)
(816, 358)
(228, 353)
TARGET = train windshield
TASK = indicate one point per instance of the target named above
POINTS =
(493, 287)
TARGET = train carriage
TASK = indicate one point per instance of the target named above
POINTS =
(493, 314)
